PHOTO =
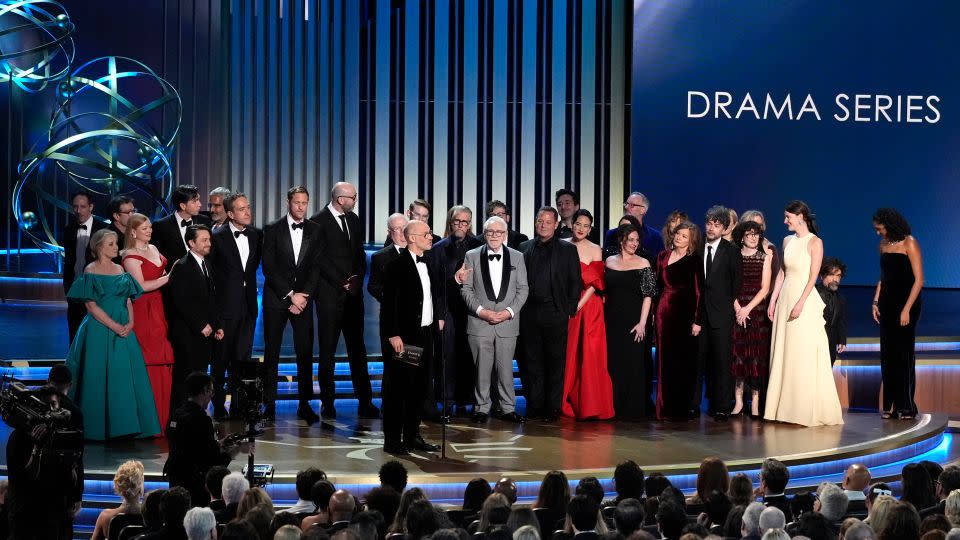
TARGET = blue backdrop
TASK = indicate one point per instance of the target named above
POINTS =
(695, 62)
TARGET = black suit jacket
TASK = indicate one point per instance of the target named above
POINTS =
(835, 315)
(281, 275)
(378, 270)
(444, 257)
(720, 289)
(402, 301)
(341, 258)
(192, 303)
(564, 274)
(68, 239)
(166, 235)
(781, 502)
(235, 285)
(515, 238)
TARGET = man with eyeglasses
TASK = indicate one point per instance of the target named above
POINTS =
(418, 210)
(637, 205)
(339, 298)
(448, 256)
(494, 293)
(120, 208)
(499, 209)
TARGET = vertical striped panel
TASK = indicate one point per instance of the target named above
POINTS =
(523, 214)
(382, 150)
(324, 107)
(587, 81)
(336, 131)
(411, 96)
(500, 74)
(441, 75)
(351, 92)
(558, 178)
(470, 59)
(618, 73)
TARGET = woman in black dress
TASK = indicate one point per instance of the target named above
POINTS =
(896, 308)
(631, 284)
(751, 334)
(678, 279)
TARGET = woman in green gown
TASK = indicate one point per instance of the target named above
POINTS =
(111, 386)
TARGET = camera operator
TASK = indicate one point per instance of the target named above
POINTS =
(194, 448)
(61, 379)
(46, 483)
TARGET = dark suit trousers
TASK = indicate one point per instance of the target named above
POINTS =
(716, 355)
(343, 313)
(231, 354)
(76, 311)
(188, 356)
(274, 321)
(544, 331)
(403, 389)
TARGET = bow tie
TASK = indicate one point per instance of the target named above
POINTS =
(83, 227)
(185, 223)
(296, 226)
(421, 260)
(493, 256)
(236, 234)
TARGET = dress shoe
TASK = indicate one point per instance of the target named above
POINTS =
(479, 418)
(551, 417)
(721, 417)
(422, 445)
(512, 417)
(328, 411)
(306, 413)
(368, 410)
(395, 449)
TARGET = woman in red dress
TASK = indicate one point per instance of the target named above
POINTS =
(587, 391)
(145, 263)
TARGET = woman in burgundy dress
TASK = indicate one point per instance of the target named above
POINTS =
(751, 334)
(678, 277)
(587, 391)
(145, 263)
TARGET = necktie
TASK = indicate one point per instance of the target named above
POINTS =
(420, 260)
(203, 266)
(709, 261)
(296, 226)
(236, 234)
(185, 223)
(343, 221)
(494, 256)
(82, 227)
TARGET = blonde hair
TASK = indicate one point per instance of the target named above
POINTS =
(128, 481)
(135, 221)
(98, 239)
(952, 508)
(880, 511)
(252, 498)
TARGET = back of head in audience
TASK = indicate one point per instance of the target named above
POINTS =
(527, 532)
(284, 518)
(948, 481)
(554, 492)
(590, 487)
(847, 523)
(320, 494)
(313, 533)
(935, 522)
(213, 481)
(874, 491)
(776, 534)
(582, 512)
(508, 488)
(345, 534)
(252, 498)
(233, 486)
(934, 535)
(499, 532)
(774, 476)
(954, 534)
(654, 484)
(771, 517)
(173, 507)
(713, 475)
(717, 505)
(260, 516)
(384, 500)
(815, 526)
(475, 493)
(128, 481)
(751, 519)
(860, 531)
(951, 508)
(902, 523)
(200, 524)
(369, 525)
(857, 478)
(917, 486)
(521, 516)
(650, 507)
(342, 505)
(933, 468)
(394, 474)
(628, 516)
(240, 529)
(733, 526)
(628, 480)
(671, 519)
(741, 490)
(495, 511)
(641, 535)
(305, 481)
(421, 520)
(288, 532)
(150, 509)
(406, 501)
(831, 501)
(449, 534)
(674, 495)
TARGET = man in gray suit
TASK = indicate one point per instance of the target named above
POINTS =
(494, 294)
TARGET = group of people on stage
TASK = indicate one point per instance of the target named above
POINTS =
(725, 307)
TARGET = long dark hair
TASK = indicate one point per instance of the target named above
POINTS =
(801, 208)
(894, 222)
(918, 488)
(554, 492)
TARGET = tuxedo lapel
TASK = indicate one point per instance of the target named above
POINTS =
(234, 250)
(505, 281)
(304, 245)
(253, 240)
(485, 273)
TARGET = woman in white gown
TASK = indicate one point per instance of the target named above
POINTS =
(801, 389)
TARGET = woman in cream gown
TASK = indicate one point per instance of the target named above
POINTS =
(801, 388)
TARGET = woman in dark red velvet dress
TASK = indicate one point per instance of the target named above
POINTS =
(587, 391)
(145, 263)
(678, 277)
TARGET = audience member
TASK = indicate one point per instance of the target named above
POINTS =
(917, 486)
(527, 532)
(260, 516)
(475, 493)
(251, 498)
(341, 507)
(420, 520)
(733, 526)
(128, 484)
(628, 482)
(522, 516)
(406, 500)
(239, 529)
(740, 490)
(385, 500)
(320, 495)
(590, 487)
(874, 491)
(751, 521)
(495, 511)
(860, 531)
(234, 486)
(716, 507)
(369, 525)
(583, 514)
(902, 523)
(831, 502)
(713, 475)
(200, 524)
(628, 516)
(150, 510)
(771, 518)
(935, 522)
(855, 481)
(394, 474)
(174, 505)
(313, 533)
(282, 519)
(934, 535)
(774, 476)
(554, 493)
(814, 526)
(654, 484)
(288, 532)
(213, 481)
(947, 481)
(670, 520)
(508, 488)
(304, 484)
(776, 534)
(880, 511)
(951, 508)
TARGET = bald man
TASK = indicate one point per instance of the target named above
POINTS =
(855, 482)
(339, 298)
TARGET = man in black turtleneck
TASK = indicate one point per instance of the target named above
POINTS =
(835, 313)
(553, 273)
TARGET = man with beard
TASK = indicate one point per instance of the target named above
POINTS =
(835, 314)
(216, 210)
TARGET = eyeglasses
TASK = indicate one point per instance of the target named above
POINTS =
(352, 198)
(751, 235)
(631, 205)
(460, 222)
(494, 234)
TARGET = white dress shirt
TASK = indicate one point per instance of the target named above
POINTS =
(199, 260)
(182, 229)
(83, 242)
(243, 245)
(426, 315)
(336, 217)
(713, 255)
(496, 275)
(296, 238)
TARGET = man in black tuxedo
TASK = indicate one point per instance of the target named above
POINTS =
(418, 210)
(720, 281)
(236, 256)
(193, 314)
(290, 250)
(75, 240)
(499, 209)
(169, 232)
(120, 208)
(216, 209)
(380, 260)
(410, 314)
(553, 273)
(339, 298)
(832, 271)
(448, 255)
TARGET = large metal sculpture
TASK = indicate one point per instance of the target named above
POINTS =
(36, 43)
